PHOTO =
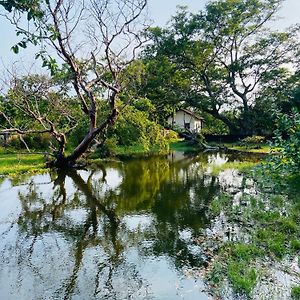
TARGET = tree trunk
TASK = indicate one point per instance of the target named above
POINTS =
(233, 128)
(82, 147)
(70, 160)
(64, 162)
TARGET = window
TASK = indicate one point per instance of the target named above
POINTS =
(187, 126)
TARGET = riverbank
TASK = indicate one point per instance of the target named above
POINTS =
(256, 148)
(13, 163)
(16, 163)
(187, 146)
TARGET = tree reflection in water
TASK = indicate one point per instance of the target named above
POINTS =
(90, 233)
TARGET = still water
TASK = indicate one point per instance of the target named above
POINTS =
(124, 230)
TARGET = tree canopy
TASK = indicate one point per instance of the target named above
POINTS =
(226, 54)
(87, 44)
(225, 62)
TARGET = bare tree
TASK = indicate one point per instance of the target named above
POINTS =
(94, 42)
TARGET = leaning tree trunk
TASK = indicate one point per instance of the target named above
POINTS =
(61, 161)
(233, 127)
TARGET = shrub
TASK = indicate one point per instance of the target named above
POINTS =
(78, 133)
(109, 148)
(287, 139)
(134, 128)
(14, 142)
(254, 139)
(35, 142)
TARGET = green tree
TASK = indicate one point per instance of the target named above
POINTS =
(287, 140)
(225, 52)
(34, 103)
(32, 7)
(81, 44)
(277, 95)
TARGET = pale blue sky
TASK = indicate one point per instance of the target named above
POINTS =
(160, 11)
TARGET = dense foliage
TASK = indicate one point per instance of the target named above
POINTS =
(287, 141)
(91, 64)
(43, 95)
(225, 61)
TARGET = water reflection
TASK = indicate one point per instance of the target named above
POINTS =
(122, 231)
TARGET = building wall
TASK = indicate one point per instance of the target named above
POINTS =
(181, 119)
(197, 125)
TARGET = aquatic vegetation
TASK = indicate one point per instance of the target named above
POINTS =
(295, 292)
(264, 228)
(236, 165)
(242, 277)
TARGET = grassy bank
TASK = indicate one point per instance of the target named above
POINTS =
(255, 148)
(139, 150)
(184, 146)
(14, 163)
(242, 166)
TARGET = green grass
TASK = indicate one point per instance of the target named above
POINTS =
(253, 148)
(270, 234)
(242, 166)
(138, 150)
(236, 262)
(295, 293)
(242, 277)
(245, 252)
(295, 245)
(13, 164)
(218, 203)
(240, 265)
(184, 146)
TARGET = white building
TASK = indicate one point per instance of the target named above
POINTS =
(186, 119)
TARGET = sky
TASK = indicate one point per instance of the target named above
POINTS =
(160, 12)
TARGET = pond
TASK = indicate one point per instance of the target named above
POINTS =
(125, 230)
